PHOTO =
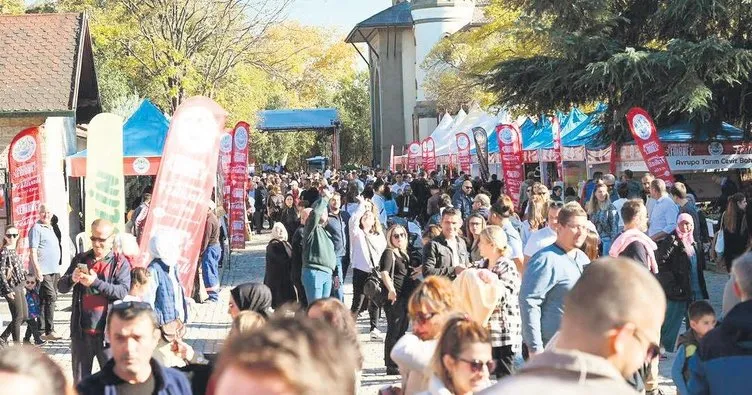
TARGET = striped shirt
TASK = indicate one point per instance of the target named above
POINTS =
(505, 324)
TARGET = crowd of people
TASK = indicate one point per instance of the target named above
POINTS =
(566, 291)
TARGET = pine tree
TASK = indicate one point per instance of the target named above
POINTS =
(679, 59)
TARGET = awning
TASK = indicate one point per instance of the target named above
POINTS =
(309, 119)
(144, 135)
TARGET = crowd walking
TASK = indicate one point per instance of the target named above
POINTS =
(559, 293)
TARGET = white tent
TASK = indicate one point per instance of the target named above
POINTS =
(476, 117)
(441, 131)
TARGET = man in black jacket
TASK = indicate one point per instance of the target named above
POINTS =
(446, 255)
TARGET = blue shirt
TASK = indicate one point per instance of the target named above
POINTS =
(549, 275)
(378, 202)
(43, 239)
(663, 217)
(514, 240)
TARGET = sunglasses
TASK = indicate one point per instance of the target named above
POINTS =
(31, 282)
(99, 239)
(653, 351)
(11, 235)
(467, 187)
(556, 204)
(422, 318)
(131, 305)
(477, 365)
(399, 235)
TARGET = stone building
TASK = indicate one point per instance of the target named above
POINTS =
(397, 41)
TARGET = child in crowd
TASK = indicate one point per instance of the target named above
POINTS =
(33, 301)
(139, 284)
(701, 321)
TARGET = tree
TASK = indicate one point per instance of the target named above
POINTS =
(13, 7)
(355, 113)
(680, 60)
(455, 63)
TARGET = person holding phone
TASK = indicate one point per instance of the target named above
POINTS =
(97, 278)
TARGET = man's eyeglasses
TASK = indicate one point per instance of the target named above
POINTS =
(477, 365)
(467, 187)
(653, 351)
(99, 239)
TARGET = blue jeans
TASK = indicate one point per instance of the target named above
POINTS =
(339, 293)
(210, 269)
(317, 284)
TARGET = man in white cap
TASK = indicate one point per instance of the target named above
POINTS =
(211, 250)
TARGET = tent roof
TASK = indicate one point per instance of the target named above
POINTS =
(144, 133)
(309, 119)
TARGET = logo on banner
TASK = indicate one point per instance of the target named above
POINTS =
(715, 148)
(642, 126)
(241, 138)
(225, 143)
(141, 165)
(428, 145)
(414, 148)
(507, 135)
(463, 142)
(24, 149)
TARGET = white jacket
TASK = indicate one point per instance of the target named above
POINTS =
(360, 257)
(413, 357)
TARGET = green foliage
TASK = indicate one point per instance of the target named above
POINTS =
(13, 7)
(680, 60)
(353, 103)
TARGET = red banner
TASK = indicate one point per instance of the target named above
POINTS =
(646, 135)
(429, 154)
(225, 158)
(510, 148)
(27, 183)
(559, 159)
(463, 151)
(185, 181)
(238, 179)
(413, 153)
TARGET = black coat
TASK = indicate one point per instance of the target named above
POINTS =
(438, 258)
(411, 202)
(278, 275)
(296, 265)
(674, 269)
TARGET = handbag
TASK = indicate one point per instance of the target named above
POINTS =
(374, 288)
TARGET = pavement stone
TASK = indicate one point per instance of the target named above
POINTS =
(210, 322)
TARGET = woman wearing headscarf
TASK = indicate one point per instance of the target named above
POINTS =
(250, 297)
(166, 295)
(680, 265)
(278, 276)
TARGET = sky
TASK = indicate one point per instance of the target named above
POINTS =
(339, 14)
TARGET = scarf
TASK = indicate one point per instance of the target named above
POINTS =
(254, 297)
(686, 237)
(630, 236)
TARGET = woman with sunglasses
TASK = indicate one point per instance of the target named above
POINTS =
(395, 271)
(12, 281)
(429, 306)
(462, 363)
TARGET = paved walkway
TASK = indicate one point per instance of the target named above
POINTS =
(211, 322)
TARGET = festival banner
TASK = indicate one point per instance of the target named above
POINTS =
(225, 158)
(510, 148)
(413, 153)
(105, 183)
(238, 180)
(556, 128)
(646, 135)
(184, 183)
(481, 150)
(429, 154)
(27, 185)
(463, 151)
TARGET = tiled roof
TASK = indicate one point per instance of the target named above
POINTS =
(39, 62)
(396, 15)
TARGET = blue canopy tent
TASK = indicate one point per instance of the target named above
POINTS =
(315, 119)
(144, 135)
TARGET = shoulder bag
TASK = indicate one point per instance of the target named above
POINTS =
(374, 288)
